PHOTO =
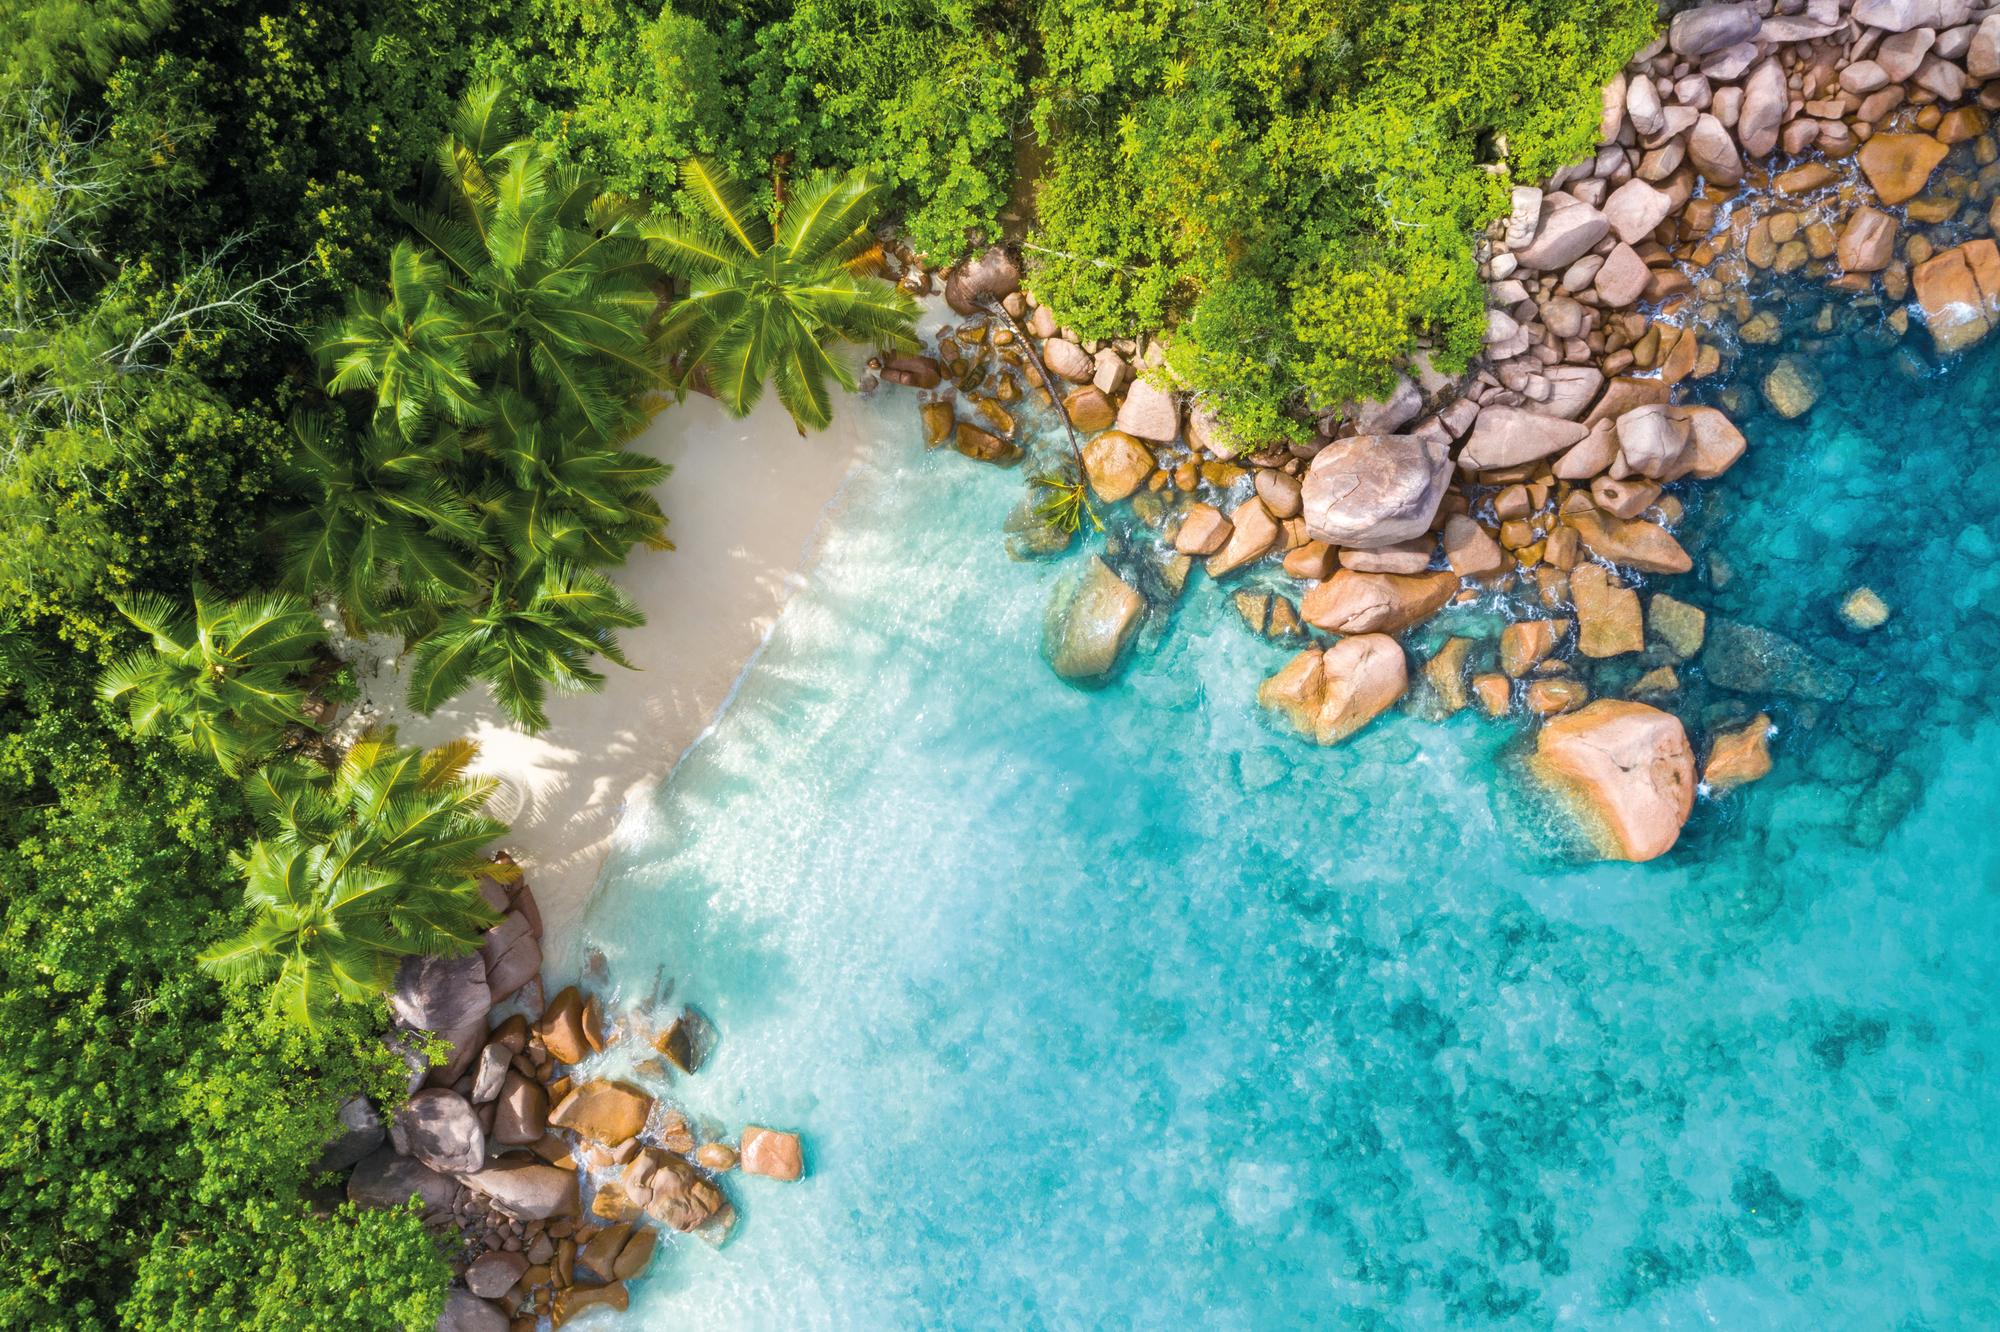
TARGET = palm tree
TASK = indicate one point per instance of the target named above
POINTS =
(384, 529)
(20, 659)
(549, 273)
(219, 680)
(358, 869)
(412, 345)
(537, 628)
(765, 304)
(570, 493)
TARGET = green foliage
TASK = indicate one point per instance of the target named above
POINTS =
(535, 631)
(927, 98)
(384, 528)
(217, 681)
(356, 870)
(1295, 190)
(159, 1137)
(764, 302)
(1065, 501)
(502, 373)
(356, 1268)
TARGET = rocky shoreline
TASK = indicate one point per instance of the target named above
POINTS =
(1756, 149)
(551, 1182)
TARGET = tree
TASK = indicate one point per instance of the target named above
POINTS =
(767, 303)
(546, 272)
(537, 629)
(218, 680)
(358, 869)
(411, 345)
(384, 527)
(571, 495)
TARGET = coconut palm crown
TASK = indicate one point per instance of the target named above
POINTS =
(766, 303)
(356, 870)
(217, 680)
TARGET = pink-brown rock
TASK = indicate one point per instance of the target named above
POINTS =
(1868, 242)
(1899, 166)
(1715, 444)
(1713, 151)
(1635, 208)
(441, 1129)
(521, 1115)
(1330, 695)
(1653, 441)
(527, 1192)
(1065, 358)
(1203, 530)
(1471, 550)
(1116, 464)
(1370, 491)
(1253, 533)
(1622, 278)
(1635, 543)
(1510, 436)
(1739, 757)
(1150, 412)
(771, 1153)
(603, 1111)
(1352, 602)
(1959, 292)
(1568, 231)
(1765, 99)
(1627, 771)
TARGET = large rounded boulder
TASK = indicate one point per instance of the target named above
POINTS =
(1628, 772)
(1372, 491)
(1329, 695)
(1090, 622)
(992, 276)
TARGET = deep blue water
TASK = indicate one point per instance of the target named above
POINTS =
(1125, 1009)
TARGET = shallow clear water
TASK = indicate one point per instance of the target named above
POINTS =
(1124, 1009)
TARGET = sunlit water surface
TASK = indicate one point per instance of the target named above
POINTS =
(1123, 1009)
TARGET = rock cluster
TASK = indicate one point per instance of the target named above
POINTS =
(554, 1181)
(1803, 140)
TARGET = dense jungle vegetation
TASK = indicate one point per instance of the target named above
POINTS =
(356, 304)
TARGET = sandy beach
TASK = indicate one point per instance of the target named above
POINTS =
(744, 504)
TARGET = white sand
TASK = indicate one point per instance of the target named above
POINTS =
(744, 506)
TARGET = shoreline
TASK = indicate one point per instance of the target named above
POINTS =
(710, 605)
(1849, 151)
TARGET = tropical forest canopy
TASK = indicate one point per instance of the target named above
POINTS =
(350, 309)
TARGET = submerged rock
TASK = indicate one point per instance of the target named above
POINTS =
(1090, 623)
(1790, 388)
(1739, 757)
(1750, 660)
(1864, 610)
(1627, 771)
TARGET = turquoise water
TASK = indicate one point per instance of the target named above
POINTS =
(1123, 1009)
